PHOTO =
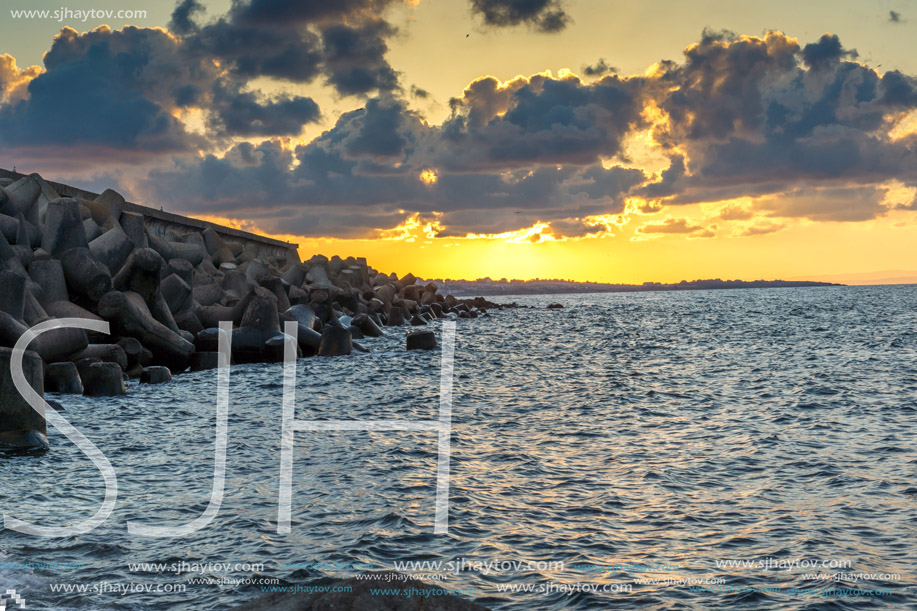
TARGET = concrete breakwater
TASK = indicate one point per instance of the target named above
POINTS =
(163, 283)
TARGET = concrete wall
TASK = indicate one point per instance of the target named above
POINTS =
(158, 222)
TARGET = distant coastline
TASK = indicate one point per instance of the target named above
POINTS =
(488, 287)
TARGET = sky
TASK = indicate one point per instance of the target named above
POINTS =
(623, 141)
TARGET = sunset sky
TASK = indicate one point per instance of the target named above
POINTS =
(622, 141)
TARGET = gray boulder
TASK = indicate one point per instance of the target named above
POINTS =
(395, 318)
(176, 293)
(367, 326)
(155, 375)
(12, 294)
(336, 341)
(103, 380)
(201, 361)
(261, 312)
(106, 353)
(112, 248)
(63, 227)
(304, 315)
(21, 427)
(133, 225)
(130, 316)
(84, 275)
(421, 340)
(63, 378)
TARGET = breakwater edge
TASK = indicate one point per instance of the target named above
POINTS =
(161, 284)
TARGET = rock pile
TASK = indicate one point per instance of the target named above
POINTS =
(165, 295)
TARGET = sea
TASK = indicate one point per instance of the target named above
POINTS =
(728, 449)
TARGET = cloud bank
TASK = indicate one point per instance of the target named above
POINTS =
(800, 130)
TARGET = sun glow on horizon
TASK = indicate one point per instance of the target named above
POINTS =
(537, 233)
(413, 228)
(744, 249)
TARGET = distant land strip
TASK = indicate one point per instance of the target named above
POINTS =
(486, 286)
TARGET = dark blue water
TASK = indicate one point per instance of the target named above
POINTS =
(666, 431)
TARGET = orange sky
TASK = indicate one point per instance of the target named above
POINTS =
(834, 252)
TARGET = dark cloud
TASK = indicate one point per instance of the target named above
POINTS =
(802, 131)
(898, 90)
(840, 204)
(246, 114)
(825, 53)
(669, 180)
(802, 134)
(367, 168)
(544, 15)
(123, 90)
(484, 99)
(541, 120)
(297, 12)
(250, 51)
(297, 40)
(355, 57)
(346, 40)
(600, 183)
(108, 88)
(472, 201)
(376, 131)
(718, 91)
(257, 183)
(760, 116)
(600, 68)
(146, 62)
(182, 21)
(187, 95)
(418, 92)
(118, 89)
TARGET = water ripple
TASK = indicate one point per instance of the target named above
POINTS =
(676, 429)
